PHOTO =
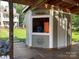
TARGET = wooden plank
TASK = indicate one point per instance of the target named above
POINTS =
(11, 28)
(25, 2)
(74, 9)
(53, 2)
(70, 2)
(36, 3)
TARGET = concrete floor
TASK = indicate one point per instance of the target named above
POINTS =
(21, 51)
(4, 57)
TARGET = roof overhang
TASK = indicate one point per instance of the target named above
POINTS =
(72, 5)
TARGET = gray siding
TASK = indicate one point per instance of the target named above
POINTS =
(40, 41)
(55, 30)
(62, 34)
(69, 30)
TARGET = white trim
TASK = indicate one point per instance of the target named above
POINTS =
(30, 27)
(51, 29)
(62, 12)
(25, 8)
(41, 16)
(40, 33)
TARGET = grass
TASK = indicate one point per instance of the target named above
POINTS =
(4, 34)
(19, 34)
(75, 36)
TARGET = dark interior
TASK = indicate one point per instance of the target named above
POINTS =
(38, 24)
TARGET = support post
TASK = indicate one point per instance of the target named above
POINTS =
(11, 28)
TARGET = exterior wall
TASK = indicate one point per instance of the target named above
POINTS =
(59, 31)
(55, 31)
(41, 41)
(6, 20)
(69, 30)
(1, 19)
(4, 16)
(28, 22)
(64, 34)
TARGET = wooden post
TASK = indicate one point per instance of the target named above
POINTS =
(11, 28)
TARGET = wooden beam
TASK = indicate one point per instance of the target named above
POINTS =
(53, 2)
(11, 28)
(70, 2)
(24, 2)
(77, 1)
(38, 4)
(74, 9)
